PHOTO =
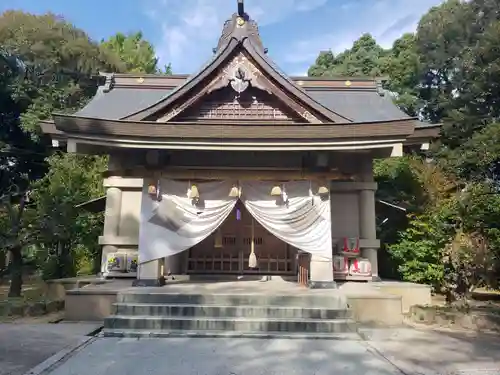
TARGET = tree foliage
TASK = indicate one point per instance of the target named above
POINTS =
(47, 66)
(137, 54)
(447, 72)
(363, 59)
(60, 227)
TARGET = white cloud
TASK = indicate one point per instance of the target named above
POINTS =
(190, 28)
(306, 5)
(386, 20)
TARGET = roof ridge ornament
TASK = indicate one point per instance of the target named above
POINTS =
(241, 8)
(110, 81)
(380, 87)
(240, 27)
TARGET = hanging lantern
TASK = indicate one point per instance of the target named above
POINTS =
(276, 191)
(235, 192)
(153, 191)
(193, 192)
(323, 190)
(218, 239)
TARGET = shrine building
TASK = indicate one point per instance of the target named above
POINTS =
(239, 169)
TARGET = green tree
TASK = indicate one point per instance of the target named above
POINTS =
(418, 254)
(59, 74)
(365, 58)
(448, 71)
(61, 229)
(138, 54)
(59, 68)
(439, 42)
(414, 246)
(404, 74)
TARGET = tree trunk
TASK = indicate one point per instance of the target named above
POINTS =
(3, 263)
(96, 261)
(16, 273)
(66, 264)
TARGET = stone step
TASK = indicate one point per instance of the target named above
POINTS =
(144, 322)
(335, 301)
(140, 333)
(185, 310)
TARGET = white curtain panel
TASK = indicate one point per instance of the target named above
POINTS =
(300, 217)
(174, 224)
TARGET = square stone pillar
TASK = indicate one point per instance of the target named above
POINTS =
(321, 273)
(150, 273)
(111, 223)
(113, 211)
(368, 226)
(174, 264)
(321, 270)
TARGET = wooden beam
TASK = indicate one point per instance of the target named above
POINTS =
(226, 174)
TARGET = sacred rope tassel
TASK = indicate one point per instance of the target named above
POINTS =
(284, 195)
(252, 260)
(218, 239)
(311, 194)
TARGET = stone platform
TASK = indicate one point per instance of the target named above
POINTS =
(245, 308)
(379, 303)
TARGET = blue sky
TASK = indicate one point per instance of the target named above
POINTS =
(185, 31)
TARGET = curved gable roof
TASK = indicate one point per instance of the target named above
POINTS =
(243, 37)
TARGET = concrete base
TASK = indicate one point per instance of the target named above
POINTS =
(55, 289)
(379, 303)
(376, 309)
(89, 305)
(322, 284)
(149, 282)
(411, 294)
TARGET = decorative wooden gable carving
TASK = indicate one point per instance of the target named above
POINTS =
(251, 105)
(240, 91)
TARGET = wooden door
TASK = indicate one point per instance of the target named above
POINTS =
(235, 235)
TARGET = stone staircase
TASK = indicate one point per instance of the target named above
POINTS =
(144, 313)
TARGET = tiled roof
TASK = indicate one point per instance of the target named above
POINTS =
(360, 106)
(121, 102)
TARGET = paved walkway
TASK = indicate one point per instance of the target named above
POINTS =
(385, 352)
(426, 351)
(197, 356)
(24, 346)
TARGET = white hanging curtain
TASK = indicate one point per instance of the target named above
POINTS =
(174, 223)
(298, 217)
